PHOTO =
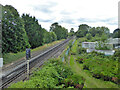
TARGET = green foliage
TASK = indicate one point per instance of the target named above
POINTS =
(33, 29)
(93, 34)
(116, 33)
(99, 31)
(71, 33)
(46, 36)
(104, 37)
(52, 75)
(102, 46)
(24, 32)
(74, 48)
(60, 31)
(74, 81)
(83, 39)
(82, 30)
(70, 44)
(14, 36)
(53, 36)
(49, 36)
(116, 55)
(81, 50)
(96, 38)
(100, 66)
(88, 36)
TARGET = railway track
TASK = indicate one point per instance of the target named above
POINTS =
(8, 77)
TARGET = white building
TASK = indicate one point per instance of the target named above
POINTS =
(90, 45)
(114, 41)
(106, 52)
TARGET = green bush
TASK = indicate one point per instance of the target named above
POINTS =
(74, 81)
(100, 66)
(81, 50)
(52, 75)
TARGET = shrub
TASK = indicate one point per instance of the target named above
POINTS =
(81, 50)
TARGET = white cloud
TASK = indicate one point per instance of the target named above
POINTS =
(70, 13)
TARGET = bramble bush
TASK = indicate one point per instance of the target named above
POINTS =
(99, 65)
(52, 75)
(105, 68)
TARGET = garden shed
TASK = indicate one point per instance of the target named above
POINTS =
(90, 45)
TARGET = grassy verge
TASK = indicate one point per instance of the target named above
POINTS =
(10, 57)
(71, 60)
(74, 48)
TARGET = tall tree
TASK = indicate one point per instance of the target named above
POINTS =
(14, 36)
(116, 33)
(88, 36)
(33, 29)
(82, 30)
(71, 32)
(93, 31)
(53, 36)
(99, 30)
(60, 31)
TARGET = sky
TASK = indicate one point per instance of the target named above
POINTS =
(70, 13)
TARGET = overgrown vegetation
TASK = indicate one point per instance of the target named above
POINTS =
(14, 37)
(100, 66)
(77, 65)
(103, 46)
(93, 33)
(54, 74)
(24, 32)
(60, 31)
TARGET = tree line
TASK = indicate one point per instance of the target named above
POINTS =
(21, 32)
(98, 33)
(84, 30)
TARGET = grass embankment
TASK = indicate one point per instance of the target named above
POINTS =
(90, 82)
(11, 57)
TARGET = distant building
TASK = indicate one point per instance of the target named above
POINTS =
(115, 42)
(90, 45)
(106, 52)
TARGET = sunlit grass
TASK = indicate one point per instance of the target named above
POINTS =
(71, 60)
